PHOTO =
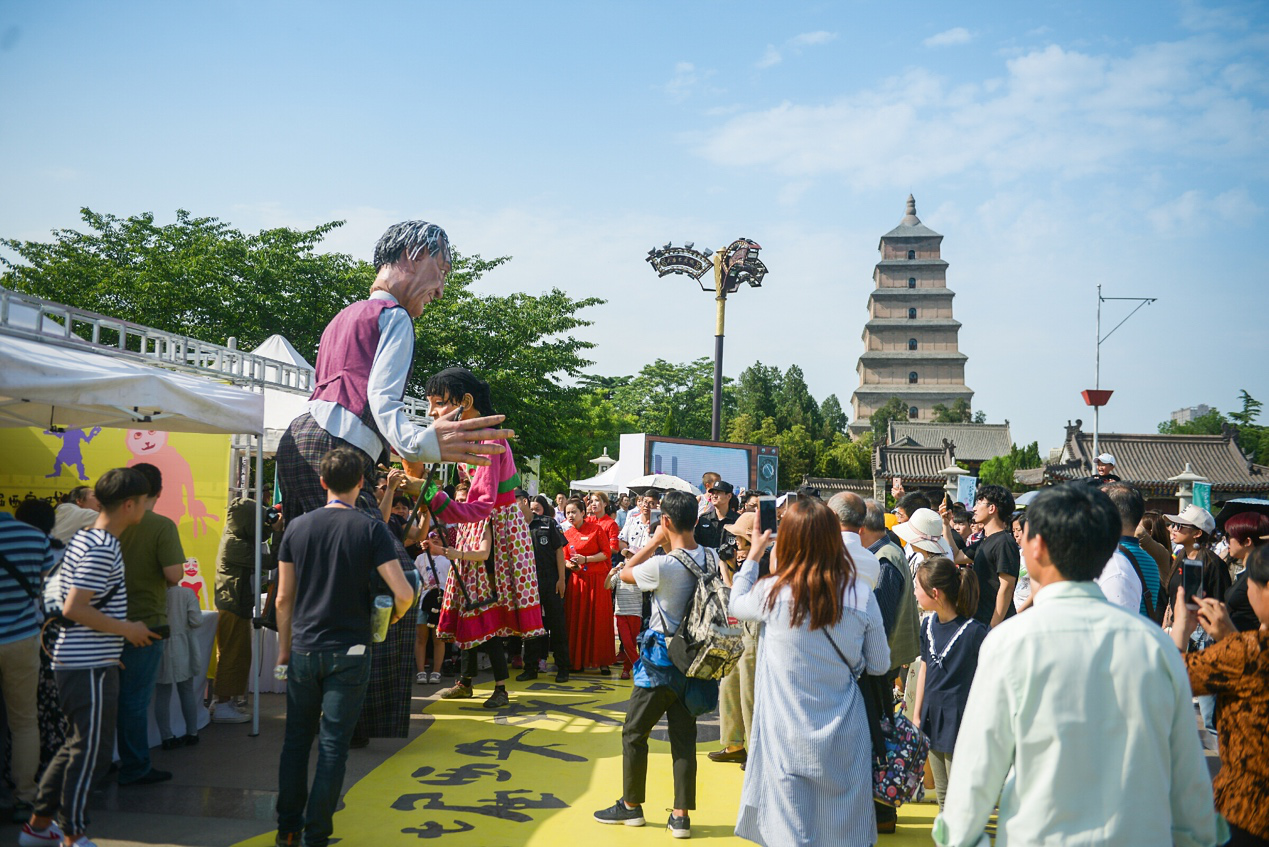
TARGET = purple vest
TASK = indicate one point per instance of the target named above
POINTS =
(346, 354)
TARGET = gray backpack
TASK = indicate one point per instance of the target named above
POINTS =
(707, 643)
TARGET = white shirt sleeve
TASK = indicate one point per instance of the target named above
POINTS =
(388, 375)
(1119, 583)
(648, 575)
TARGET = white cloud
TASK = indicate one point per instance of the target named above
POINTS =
(769, 59)
(1055, 111)
(685, 78)
(947, 38)
(1194, 212)
(812, 38)
(775, 55)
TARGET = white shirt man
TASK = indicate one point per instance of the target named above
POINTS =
(1079, 723)
(1119, 583)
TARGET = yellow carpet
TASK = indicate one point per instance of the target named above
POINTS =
(534, 773)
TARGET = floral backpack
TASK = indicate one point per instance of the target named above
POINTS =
(899, 748)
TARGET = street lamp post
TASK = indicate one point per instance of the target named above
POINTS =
(733, 266)
(1097, 396)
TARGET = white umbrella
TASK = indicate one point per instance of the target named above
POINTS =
(662, 482)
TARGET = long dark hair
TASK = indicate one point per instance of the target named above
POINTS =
(960, 585)
(812, 563)
(548, 508)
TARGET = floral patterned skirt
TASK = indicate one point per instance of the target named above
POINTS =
(506, 605)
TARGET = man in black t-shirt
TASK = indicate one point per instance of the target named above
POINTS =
(709, 526)
(327, 564)
(548, 554)
(995, 559)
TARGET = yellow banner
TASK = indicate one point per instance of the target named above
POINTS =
(195, 468)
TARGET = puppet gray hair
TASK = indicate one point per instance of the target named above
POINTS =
(412, 237)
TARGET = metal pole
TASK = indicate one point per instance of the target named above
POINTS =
(256, 651)
(1097, 371)
(721, 299)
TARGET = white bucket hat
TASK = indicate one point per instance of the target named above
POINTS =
(924, 530)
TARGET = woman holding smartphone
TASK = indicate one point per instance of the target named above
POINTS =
(1192, 531)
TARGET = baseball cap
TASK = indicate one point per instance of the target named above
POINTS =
(723, 487)
(1195, 516)
(1106, 459)
(924, 530)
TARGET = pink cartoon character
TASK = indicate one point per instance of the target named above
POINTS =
(192, 578)
(150, 446)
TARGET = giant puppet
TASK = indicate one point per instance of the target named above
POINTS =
(363, 364)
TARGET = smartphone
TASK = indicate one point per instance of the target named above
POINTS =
(790, 498)
(163, 632)
(767, 515)
(1192, 582)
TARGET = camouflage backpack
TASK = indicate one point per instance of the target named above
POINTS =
(707, 643)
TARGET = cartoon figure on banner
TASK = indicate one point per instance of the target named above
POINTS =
(148, 445)
(72, 452)
(192, 578)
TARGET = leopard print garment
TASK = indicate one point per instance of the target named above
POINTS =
(1236, 669)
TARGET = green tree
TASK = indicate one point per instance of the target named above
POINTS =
(756, 391)
(999, 470)
(959, 413)
(894, 409)
(795, 405)
(844, 458)
(671, 399)
(1211, 423)
(596, 425)
(833, 419)
(1251, 410)
(798, 451)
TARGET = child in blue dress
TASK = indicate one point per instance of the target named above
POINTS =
(950, 639)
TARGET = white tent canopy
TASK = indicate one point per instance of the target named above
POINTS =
(606, 481)
(49, 385)
(281, 406)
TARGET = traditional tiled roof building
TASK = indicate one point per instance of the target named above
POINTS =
(973, 443)
(910, 340)
(1148, 460)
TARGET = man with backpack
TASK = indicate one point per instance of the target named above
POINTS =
(660, 688)
(25, 556)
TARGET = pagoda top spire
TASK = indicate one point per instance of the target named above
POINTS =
(911, 226)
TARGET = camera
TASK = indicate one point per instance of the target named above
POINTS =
(271, 514)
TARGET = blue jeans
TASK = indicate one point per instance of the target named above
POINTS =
(323, 690)
(136, 690)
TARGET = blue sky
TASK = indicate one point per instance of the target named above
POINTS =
(1054, 145)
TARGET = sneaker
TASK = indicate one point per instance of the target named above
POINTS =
(679, 827)
(150, 777)
(619, 812)
(83, 841)
(420, 678)
(525, 676)
(625, 674)
(287, 839)
(29, 837)
(434, 678)
(498, 699)
(228, 713)
(457, 691)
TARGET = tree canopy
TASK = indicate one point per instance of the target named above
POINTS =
(1252, 437)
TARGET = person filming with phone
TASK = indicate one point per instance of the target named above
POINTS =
(1236, 668)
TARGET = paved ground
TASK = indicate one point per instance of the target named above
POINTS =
(224, 789)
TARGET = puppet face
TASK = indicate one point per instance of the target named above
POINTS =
(145, 442)
(191, 567)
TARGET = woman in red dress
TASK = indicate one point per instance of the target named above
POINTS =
(597, 511)
(587, 603)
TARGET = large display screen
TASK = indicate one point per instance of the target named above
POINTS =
(692, 461)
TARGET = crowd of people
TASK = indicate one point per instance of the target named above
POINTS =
(1049, 656)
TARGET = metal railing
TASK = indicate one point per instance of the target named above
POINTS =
(43, 320)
